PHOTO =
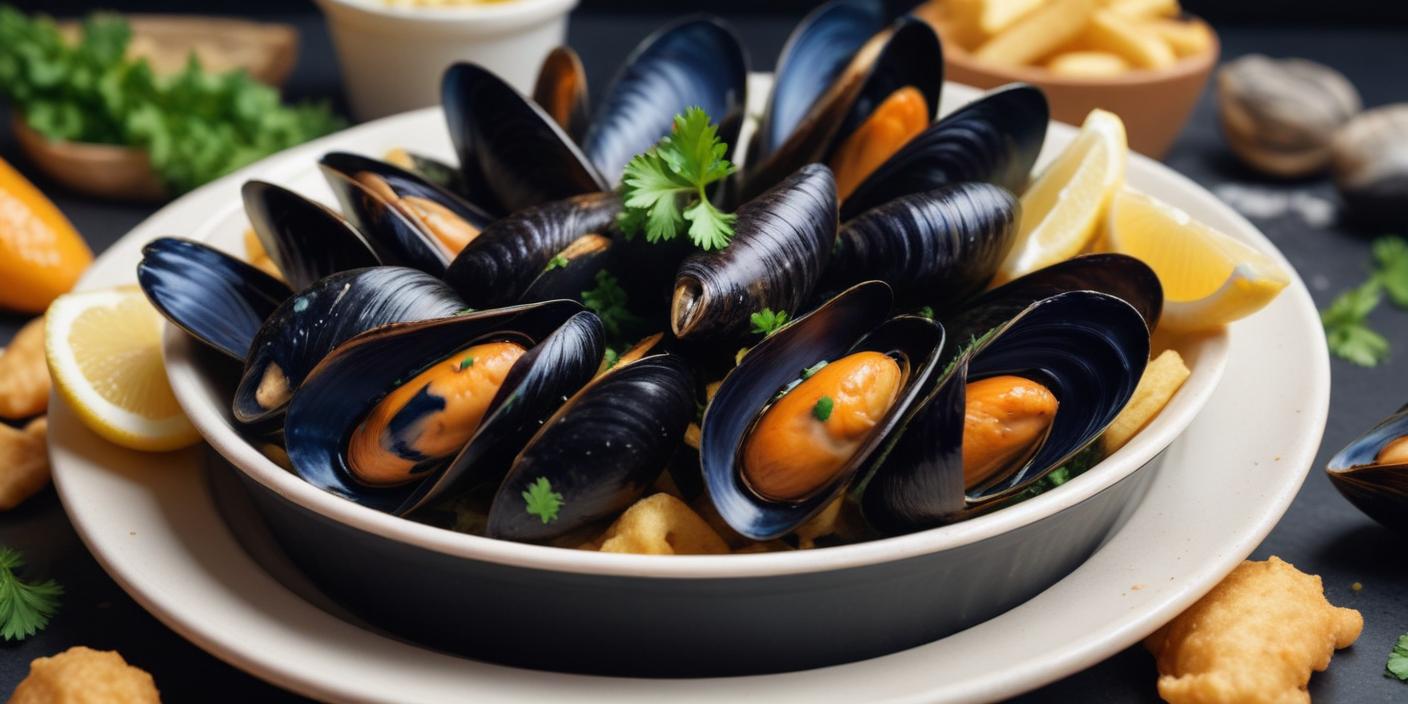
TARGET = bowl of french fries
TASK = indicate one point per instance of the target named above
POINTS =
(1144, 60)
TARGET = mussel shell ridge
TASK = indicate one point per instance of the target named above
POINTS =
(600, 451)
(213, 296)
(1087, 348)
(307, 240)
(844, 325)
(1379, 490)
(345, 386)
(314, 321)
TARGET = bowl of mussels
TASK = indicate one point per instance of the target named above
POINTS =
(695, 394)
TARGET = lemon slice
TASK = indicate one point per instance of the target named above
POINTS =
(1061, 209)
(104, 351)
(1209, 279)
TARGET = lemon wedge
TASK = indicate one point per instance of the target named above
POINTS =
(104, 352)
(1063, 207)
(1209, 279)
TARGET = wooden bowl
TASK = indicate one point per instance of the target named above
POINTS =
(1154, 103)
(102, 170)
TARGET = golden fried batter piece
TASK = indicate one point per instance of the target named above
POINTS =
(24, 462)
(662, 525)
(81, 675)
(1254, 639)
(24, 375)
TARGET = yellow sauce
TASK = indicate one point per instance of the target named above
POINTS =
(799, 446)
(390, 442)
(1006, 420)
(903, 115)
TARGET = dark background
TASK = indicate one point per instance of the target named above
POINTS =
(1321, 534)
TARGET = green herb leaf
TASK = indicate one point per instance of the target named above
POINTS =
(610, 303)
(1347, 332)
(1397, 666)
(542, 501)
(557, 262)
(822, 410)
(665, 189)
(466, 363)
(610, 358)
(1391, 261)
(25, 608)
(813, 369)
(766, 321)
(926, 312)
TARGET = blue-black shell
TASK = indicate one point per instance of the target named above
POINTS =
(306, 240)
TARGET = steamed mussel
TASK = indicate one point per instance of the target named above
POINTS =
(1372, 471)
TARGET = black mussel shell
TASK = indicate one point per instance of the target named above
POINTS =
(314, 321)
(513, 155)
(213, 296)
(307, 240)
(561, 91)
(815, 55)
(934, 248)
(692, 63)
(1378, 489)
(853, 321)
(573, 270)
(429, 168)
(905, 54)
(347, 385)
(399, 238)
(599, 452)
(781, 244)
(502, 263)
(994, 139)
(1088, 348)
(1118, 275)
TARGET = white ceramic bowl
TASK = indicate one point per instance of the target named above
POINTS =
(392, 57)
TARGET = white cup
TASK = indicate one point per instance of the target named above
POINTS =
(392, 57)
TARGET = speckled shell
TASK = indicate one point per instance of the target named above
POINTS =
(1279, 115)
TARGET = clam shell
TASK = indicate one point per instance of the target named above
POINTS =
(1379, 490)
(1371, 166)
(307, 240)
(1279, 115)
(213, 296)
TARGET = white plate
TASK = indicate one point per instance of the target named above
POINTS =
(150, 521)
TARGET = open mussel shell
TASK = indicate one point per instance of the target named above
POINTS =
(853, 321)
(693, 63)
(513, 154)
(433, 170)
(347, 385)
(939, 246)
(392, 208)
(213, 296)
(561, 91)
(600, 451)
(781, 244)
(506, 259)
(311, 323)
(1087, 348)
(307, 240)
(573, 270)
(905, 54)
(815, 55)
(994, 139)
(1376, 485)
(1118, 275)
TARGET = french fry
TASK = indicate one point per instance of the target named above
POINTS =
(1162, 379)
(998, 15)
(1117, 34)
(662, 525)
(1185, 37)
(1038, 33)
(957, 21)
(24, 375)
(1146, 8)
(1087, 64)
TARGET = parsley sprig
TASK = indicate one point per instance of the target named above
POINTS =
(1397, 666)
(666, 187)
(767, 321)
(1347, 330)
(25, 607)
(542, 501)
(610, 303)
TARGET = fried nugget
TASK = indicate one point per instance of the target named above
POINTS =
(24, 462)
(1254, 639)
(24, 375)
(662, 525)
(81, 675)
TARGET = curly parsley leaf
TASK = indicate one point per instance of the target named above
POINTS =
(1347, 331)
(767, 321)
(1397, 666)
(1391, 261)
(665, 189)
(610, 303)
(822, 410)
(25, 608)
(557, 262)
(542, 501)
(926, 312)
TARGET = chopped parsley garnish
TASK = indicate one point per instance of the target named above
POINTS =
(25, 607)
(666, 187)
(926, 312)
(822, 410)
(466, 363)
(610, 358)
(557, 262)
(1391, 260)
(1397, 666)
(1074, 467)
(1347, 331)
(766, 321)
(542, 501)
(608, 300)
(809, 372)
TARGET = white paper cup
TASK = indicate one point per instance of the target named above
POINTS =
(392, 57)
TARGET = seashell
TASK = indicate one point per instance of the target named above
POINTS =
(1279, 115)
(1371, 165)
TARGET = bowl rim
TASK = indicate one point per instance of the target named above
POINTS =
(516, 11)
(1184, 67)
(211, 421)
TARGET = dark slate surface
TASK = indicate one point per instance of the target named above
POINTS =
(1321, 534)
